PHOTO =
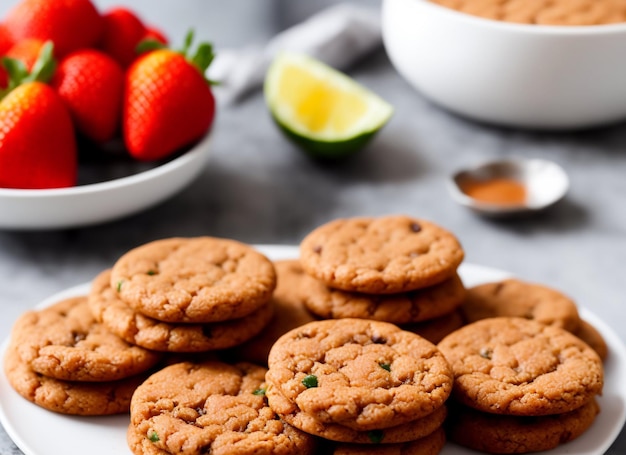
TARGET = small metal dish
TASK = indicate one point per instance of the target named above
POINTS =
(545, 183)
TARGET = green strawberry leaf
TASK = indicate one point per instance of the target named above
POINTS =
(188, 41)
(148, 45)
(203, 57)
(45, 66)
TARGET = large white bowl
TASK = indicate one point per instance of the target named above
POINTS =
(531, 76)
(100, 202)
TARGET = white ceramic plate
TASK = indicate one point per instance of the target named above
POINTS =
(40, 432)
(94, 203)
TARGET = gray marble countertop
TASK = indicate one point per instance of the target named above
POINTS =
(258, 188)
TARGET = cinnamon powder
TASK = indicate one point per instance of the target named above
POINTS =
(501, 191)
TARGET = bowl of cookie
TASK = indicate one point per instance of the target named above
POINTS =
(539, 65)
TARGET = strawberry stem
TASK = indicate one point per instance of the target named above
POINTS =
(45, 66)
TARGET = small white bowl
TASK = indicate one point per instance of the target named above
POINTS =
(520, 75)
(545, 182)
(100, 202)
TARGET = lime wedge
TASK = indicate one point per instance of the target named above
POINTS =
(321, 109)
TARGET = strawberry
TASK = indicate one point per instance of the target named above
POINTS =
(70, 24)
(5, 40)
(153, 33)
(90, 83)
(27, 51)
(123, 31)
(37, 144)
(167, 102)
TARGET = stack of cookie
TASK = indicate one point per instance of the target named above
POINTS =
(520, 386)
(516, 298)
(186, 294)
(393, 269)
(61, 359)
(366, 385)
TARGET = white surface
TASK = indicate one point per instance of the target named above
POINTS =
(512, 74)
(545, 181)
(39, 432)
(99, 202)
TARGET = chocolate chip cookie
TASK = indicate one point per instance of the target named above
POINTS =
(194, 280)
(358, 373)
(64, 341)
(404, 308)
(136, 328)
(521, 367)
(513, 434)
(383, 255)
(69, 397)
(517, 298)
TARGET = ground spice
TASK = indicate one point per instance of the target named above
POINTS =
(500, 191)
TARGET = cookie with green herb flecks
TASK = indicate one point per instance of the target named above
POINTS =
(194, 280)
(211, 407)
(136, 328)
(358, 373)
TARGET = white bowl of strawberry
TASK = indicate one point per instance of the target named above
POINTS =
(86, 95)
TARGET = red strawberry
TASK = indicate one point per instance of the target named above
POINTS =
(27, 51)
(91, 83)
(153, 33)
(5, 40)
(123, 31)
(70, 24)
(37, 145)
(168, 103)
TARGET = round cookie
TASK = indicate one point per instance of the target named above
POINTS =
(289, 313)
(521, 367)
(428, 445)
(590, 335)
(512, 434)
(358, 373)
(404, 308)
(517, 298)
(435, 330)
(405, 432)
(383, 255)
(66, 397)
(136, 328)
(195, 280)
(64, 341)
(214, 408)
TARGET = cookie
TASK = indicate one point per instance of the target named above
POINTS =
(195, 280)
(136, 328)
(66, 397)
(517, 298)
(590, 335)
(428, 445)
(358, 373)
(512, 434)
(64, 341)
(140, 445)
(405, 432)
(437, 329)
(404, 308)
(214, 408)
(383, 255)
(289, 313)
(521, 367)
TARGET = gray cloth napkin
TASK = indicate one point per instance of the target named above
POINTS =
(338, 36)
